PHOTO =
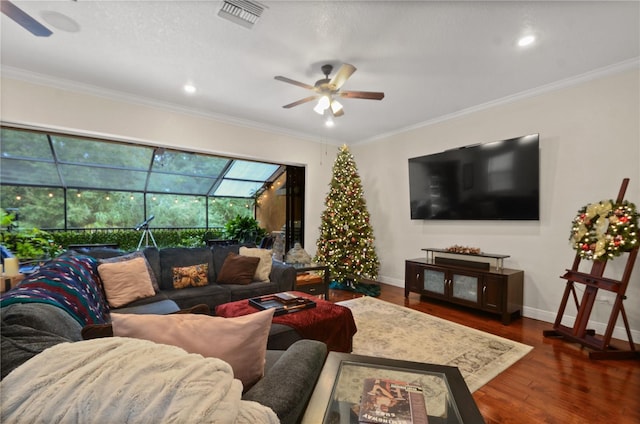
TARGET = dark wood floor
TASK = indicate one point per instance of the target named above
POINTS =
(555, 383)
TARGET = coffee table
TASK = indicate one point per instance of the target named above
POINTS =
(339, 387)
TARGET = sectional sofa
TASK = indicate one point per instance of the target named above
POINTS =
(46, 313)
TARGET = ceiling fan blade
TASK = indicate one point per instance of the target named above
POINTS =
(24, 20)
(371, 95)
(299, 102)
(294, 82)
(343, 74)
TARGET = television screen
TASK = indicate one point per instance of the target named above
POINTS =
(491, 181)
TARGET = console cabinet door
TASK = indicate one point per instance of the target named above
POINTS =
(412, 278)
(465, 288)
(435, 283)
(493, 293)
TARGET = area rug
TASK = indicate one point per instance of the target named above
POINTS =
(391, 331)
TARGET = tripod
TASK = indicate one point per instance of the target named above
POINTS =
(145, 236)
(146, 233)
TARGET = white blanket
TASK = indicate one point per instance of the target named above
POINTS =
(122, 380)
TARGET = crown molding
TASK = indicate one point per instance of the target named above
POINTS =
(87, 89)
(73, 86)
(547, 88)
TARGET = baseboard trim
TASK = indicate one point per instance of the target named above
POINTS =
(619, 332)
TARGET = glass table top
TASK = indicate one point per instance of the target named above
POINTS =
(345, 386)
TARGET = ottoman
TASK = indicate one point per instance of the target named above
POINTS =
(327, 322)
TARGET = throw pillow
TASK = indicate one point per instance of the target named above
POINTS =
(133, 255)
(125, 281)
(264, 266)
(239, 341)
(98, 331)
(238, 269)
(171, 257)
(190, 276)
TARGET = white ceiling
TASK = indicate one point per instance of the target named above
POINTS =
(431, 59)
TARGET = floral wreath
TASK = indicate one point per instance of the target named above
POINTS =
(604, 230)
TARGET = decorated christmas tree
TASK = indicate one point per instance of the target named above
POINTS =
(346, 237)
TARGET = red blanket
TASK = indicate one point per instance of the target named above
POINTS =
(327, 322)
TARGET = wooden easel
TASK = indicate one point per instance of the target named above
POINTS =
(594, 281)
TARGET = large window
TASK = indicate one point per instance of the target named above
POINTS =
(176, 211)
(103, 209)
(57, 181)
(41, 207)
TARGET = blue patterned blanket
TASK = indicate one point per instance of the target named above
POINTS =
(70, 282)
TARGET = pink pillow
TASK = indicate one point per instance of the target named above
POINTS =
(239, 341)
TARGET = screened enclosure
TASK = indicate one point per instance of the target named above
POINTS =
(54, 181)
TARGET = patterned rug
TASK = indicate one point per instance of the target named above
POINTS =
(395, 332)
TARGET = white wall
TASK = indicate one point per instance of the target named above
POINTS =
(590, 141)
(41, 106)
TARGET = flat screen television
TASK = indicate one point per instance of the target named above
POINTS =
(491, 181)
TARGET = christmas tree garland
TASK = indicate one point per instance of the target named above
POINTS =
(605, 230)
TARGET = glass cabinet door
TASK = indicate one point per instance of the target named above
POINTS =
(465, 287)
(434, 281)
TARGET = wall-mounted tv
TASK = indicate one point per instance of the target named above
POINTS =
(491, 181)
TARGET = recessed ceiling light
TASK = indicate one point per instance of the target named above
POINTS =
(189, 88)
(527, 40)
(60, 21)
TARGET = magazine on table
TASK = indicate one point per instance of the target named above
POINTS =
(391, 402)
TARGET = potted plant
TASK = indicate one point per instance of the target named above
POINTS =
(244, 229)
(27, 244)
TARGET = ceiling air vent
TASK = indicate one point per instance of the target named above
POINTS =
(242, 12)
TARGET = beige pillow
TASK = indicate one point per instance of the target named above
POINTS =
(239, 341)
(264, 266)
(126, 281)
(132, 255)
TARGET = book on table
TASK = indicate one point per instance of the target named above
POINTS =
(283, 303)
(391, 402)
(287, 298)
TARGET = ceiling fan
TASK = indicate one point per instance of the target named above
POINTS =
(326, 90)
(23, 19)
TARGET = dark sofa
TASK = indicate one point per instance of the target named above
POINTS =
(29, 325)
(282, 277)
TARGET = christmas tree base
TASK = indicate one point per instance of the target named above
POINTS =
(372, 290)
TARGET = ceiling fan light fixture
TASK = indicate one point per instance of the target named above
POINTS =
(326, 90)
(329, 122)
(336, 106)
(323, 104)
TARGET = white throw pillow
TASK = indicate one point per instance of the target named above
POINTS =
(264, 267)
